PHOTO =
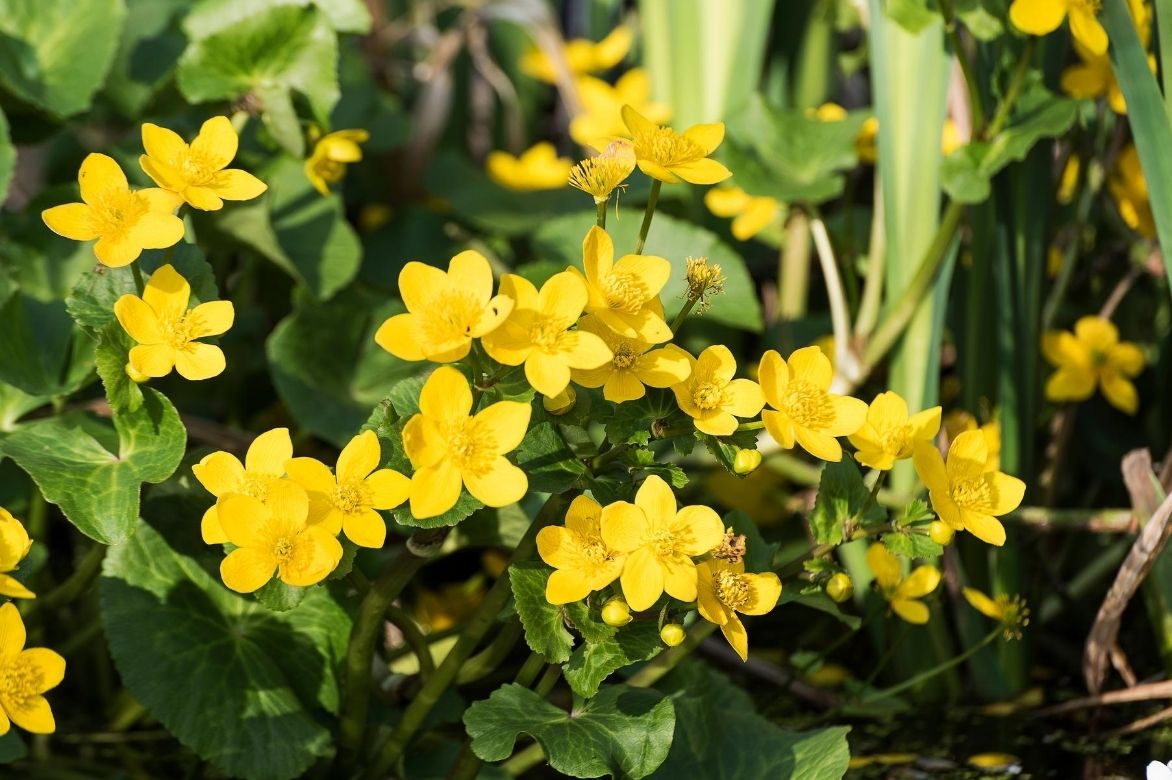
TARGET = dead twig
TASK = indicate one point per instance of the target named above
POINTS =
(1145, 692)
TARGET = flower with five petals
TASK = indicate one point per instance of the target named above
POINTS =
(889, 434)
(1093, 356)
(902, 593)
(198, 173)
(804, 410)
(712, 398)
(669, 156)
(222, 474)
(331, 154)
(25, 675)
(633, 365)
(537, 168)
(625, 295)
(1039, 17)
(583, 561)
(723, 589)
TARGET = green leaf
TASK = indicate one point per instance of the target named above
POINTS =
(7, 161)
(631, 422)
(841, 495)
(41, 351)
(243, 687)
(587, 621)
(325, 364)
(93, 471)
(912, 545)
(110, 358)
(593, 662)
(725, 448)
(912, 15)
(55, 54)
(294, 227)
(966, 173)
(820, 601)
(211, 16)
(12, 747)
(286, 48)
(147, 54)
(718, 736)
(561, 240)
(279, 597)
(788, 155)
(14, 404)
(545, 629)
(547, 461)
(625, 732)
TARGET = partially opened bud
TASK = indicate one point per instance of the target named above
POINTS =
(560, 403)
(746, 461)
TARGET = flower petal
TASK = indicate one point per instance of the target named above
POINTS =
(982, 603)
(470, 271)
(211, 530)
(664, 367)
(883, 565)
(658, 502)
(546, 373)
(642, 580)
(1037, 17)
(1006, 492)
(716, 362)
(597, 253)
(418, 284)
(821, 445)
(211, 319)
(99, 177)
(500, 485)
(738, 638)
(915, 612)
(707, 136)
(623, 526)
(1119, 392)
(138, 319)
(811, 365)
(697, 529)
(780, 427)
(1087, 30)
(399, 335)
(747, 398)
(14, 588)
(49, 663)
(219, 472)
(620, 387)
(72, 220)
(152, 360)
(507, 421)
(922, 581)
(679, 578)
(246, 569)
(967, 456)
(163, 145)
(32, 714)
(359, 457)
(268, 453)
(167, 292)
(365, 528)
(702, 171)
(558, 547)
(764, 591)
(773, 375)
(562, 298)
(388, 488)
(566, 586)
(985, 527)
(446, 397)
(217, 142)
(315, 554)
(199, 361)
(235, 184)
(12, 634)
(117, 252)
(434, 489)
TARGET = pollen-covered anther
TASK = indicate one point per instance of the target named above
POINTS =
(667, 147)
(624, 357)
(807, 405)
(972, 494)
(624, 292)
(20, 682)
(708, 396)
(732, 547)
(351, 497)
(283, 549)
(449, 316)
(732, 589)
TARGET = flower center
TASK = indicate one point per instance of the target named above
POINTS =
(599, 176)
(470, 447)
(546, 332)
(623, 292)
(972, 494)
(351, 497)
(20, 683)
(667, 147)
(732, 589)
(177, 330)
(330, 170)
(593, 552)
(896, 439)
(256, 487)
(449, 316)
(624, 356)
(665, 544)
(283, 549)
(807, 405)
(1090, 6)
(117, 212)
(708, 395)
(197, 169)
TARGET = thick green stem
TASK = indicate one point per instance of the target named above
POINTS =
(652, 200)
(600, 213)
(755, 425)
(81, 578)
(398, 617)
(966, 67)
(445, 674)
(139, 284)
(491, 656)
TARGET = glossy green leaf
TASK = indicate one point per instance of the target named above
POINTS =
(110, 359)
(7, 160)
(592, 662)
(211, 16)
(545, 629)
(841, 496)
(41, 351)
(147, 54)
(547, 460)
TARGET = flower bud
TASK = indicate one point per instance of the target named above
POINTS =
(746, 461)
(672, 634)
(616, 613)
(839, 587)
(940, 533)
(135, 376)
(560, 403)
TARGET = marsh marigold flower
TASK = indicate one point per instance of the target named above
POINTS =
(968, 493)
(668, 156)
(1093, 77)
(538, 333)
(538, 168)
(659, 542)
(889, 434)
(449, 448)
(1010, 611)
(222, 474)
(723, 589)
(124, 221)
(331, 154)
(803, 408)
(166, 330)
(1092, 356)
(445, 311)
(633, 365)
(625, 295)
(1039, 17)
(198, 173)
(751, 213)
(582, 56)
(583, 561)
(275, 537)
(603, 173)
(902, 593)
(25, 675)
(601, 119)
(712, 398)
(1129, 190)
(14, 546)
(347, 500)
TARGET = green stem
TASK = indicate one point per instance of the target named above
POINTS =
(524, 761)
(445, 674)
(683, 315)
(606, 457)
(1014, 91)
(139, 284)
(530, 669)
(413, 636)
(490, 657)
(600, 213)
(928, 674)
(755, 425)
(966, 67)
(652, 200)
(663, 663)
(81, 578)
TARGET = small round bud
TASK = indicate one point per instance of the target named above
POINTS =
(135, 376)
(672, 634)
(616, 613)
(746, 461)
(560, 403)
(839, 587)
(940, 532)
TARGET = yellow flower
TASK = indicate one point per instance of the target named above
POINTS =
(1092, 356)
(1039, 17)
(902, 593)
(969, 493)
(583, 560)
(669, 156)
(166, 330)
(447, 447)
(1066, 186)
(1010, 611)
(601, 119)
(124, 222)
(275, 536)
(222, 474)
(1092, 78)
(634, 365)
(582, 56)
(14, 546)
(712, 398)
(538, 168)
(1129, 189)
(444, 311)
(889, 434)
(538, 333)
(751, 214)
(25, 675)
(561, 403)
(625, 295)
(601, 174)
(347, 502)
(827, 112)
(198, 173)
(806, 412)
(331, 154)
(660, 543)
(723, 589)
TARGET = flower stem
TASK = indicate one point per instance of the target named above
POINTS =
(683, 314)
(413, 636)
(966, 67)
(84, 573)
(600, 211)
(652, 200)
(139, 284)
(663, 663)
(755, 425)
(928, 674)
(1011, 94)
(445, 674)
(839, 316)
